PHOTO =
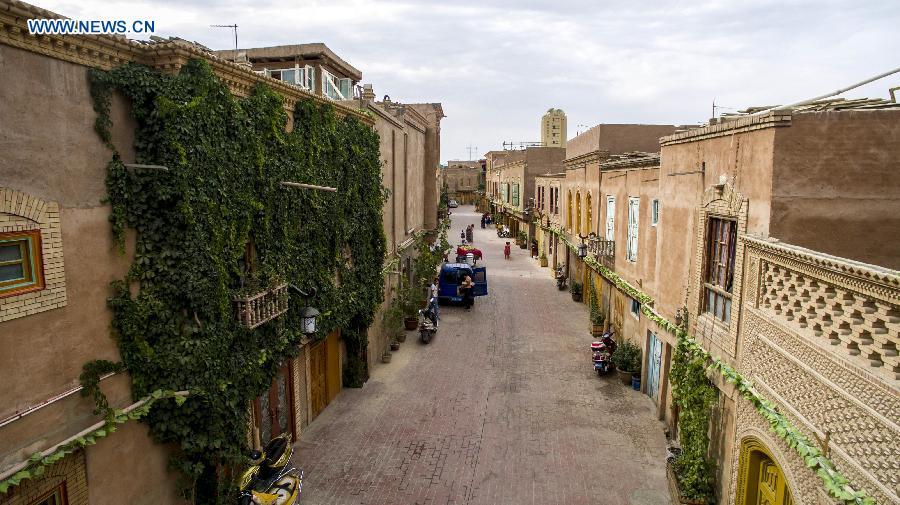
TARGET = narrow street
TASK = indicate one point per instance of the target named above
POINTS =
(503, 407)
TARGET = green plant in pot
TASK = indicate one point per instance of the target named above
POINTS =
(627, 359)
(576, 289)
(522, 240)
(410, 301)
(392, 318)
(543, 260)
(597, 316)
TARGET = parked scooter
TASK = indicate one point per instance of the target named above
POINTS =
(503, 231)
(271, 480)
(428, 321)
(561, 277)
(601, 353)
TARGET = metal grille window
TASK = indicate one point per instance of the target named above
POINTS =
(633, 219)
(654, 213)
(718, 275)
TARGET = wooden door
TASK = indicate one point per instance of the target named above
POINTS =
(332, 365)
(654, 362)
(772, 489)
(274, 409)
(318, 394)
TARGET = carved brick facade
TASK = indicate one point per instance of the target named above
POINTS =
(802, 314)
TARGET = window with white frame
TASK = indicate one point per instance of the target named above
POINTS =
(633, 218)
(610, 218)
(654, 212)
(334, 87)
(298, 76)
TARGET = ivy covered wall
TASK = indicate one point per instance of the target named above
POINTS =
(218, 224)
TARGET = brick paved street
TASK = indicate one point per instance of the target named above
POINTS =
(502, 407)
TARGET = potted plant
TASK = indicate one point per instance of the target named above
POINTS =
(543, 260)
(522, 240)
(576, 289)
(597, 316)
(410, 302)
(627, 359)
(392, 319)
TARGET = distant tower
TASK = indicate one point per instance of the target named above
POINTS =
(553, 128)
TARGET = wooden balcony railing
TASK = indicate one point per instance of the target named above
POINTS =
(257, 309)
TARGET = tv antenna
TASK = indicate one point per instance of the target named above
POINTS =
(470, 148)
(233, 27)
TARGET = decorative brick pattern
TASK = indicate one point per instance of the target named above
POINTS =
(70, 471)
(21, 212)
(820, 386)
(723, 201)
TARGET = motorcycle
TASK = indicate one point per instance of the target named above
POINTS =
(428, 322)
(270, 480)
(601, 353)
(561, 277)
(503, 232)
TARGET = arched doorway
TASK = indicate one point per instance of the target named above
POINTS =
(762, 481)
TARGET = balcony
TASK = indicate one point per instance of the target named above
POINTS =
(257, 309)
(602, 250)
(848, 307)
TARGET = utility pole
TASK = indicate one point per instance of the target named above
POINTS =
(233, 27)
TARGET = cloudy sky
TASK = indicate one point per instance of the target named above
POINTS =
(497, 65)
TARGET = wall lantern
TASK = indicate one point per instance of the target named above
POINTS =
(308, 317)
(581, 250)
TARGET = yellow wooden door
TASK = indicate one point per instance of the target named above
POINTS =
(318, 395)
(333, 365)
(771, 487)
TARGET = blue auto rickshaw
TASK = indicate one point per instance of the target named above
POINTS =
(452, 275)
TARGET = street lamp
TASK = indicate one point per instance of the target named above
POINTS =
(308, 315)
(581, 251)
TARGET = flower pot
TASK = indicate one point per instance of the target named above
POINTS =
(544, 262)
(401, 337)
(624, 376)
(410, 323)
(386, 357)
(395, 346)
(576, 297)
(523, 245)
(636, 382)
(597, 330)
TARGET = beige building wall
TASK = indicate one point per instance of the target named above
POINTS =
(57, 111)
(553, 128)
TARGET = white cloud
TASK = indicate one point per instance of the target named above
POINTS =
(497, 65)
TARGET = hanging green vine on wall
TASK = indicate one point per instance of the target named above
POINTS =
(218, 223)
(694, 395)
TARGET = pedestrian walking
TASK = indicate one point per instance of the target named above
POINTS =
(465, 289)
(462, 235)
(506, 250)
(470, 232)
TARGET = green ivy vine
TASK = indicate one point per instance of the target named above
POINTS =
(694, 359)
(218, 224)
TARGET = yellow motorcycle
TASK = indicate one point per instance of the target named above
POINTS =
(270, 480)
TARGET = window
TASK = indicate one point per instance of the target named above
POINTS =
(654, 212)
(589, 220)
(635, 308)
(569, 212)
(335, 87)
(633, 219)
(515, 195)
(55, 497)
(578, 213)
(718, 274)
(610, 218)
(298, 76)
(20, 262)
